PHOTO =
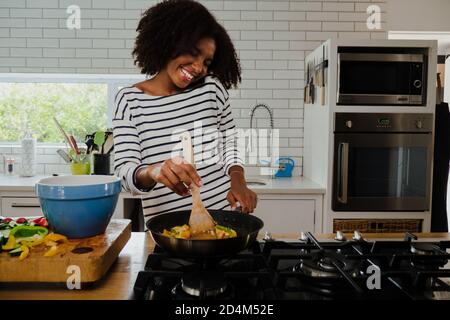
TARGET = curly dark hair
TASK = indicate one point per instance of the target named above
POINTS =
(174, 27)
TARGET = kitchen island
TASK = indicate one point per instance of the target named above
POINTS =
(119, 281)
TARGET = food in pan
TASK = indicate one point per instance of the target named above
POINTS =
(184, 232)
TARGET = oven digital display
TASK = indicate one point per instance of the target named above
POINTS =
(384, 122)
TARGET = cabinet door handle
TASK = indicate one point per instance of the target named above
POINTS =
(24, 205)
(343, 172)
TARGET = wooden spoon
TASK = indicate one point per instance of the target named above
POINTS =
(200, 220)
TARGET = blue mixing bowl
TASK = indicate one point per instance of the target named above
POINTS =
(78, 206)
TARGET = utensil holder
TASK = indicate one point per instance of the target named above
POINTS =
(102, 164)
(79, 168)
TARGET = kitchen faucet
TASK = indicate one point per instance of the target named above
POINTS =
(252, 112)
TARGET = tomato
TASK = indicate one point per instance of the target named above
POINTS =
(6, 220)
(41, 221)
(21, 220)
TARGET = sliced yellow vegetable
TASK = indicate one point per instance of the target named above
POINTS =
(31, 244)
(56, 237)
(50, 243)
(10, 243)
(25, 252)
(52, 251)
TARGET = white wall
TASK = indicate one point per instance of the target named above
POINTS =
(272, 39)
(418, 15)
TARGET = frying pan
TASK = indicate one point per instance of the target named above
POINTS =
(245, 225)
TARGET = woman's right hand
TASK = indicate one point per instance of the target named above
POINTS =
(176, 174)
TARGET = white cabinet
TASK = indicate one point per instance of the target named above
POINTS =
(289, 213)
(20, 207)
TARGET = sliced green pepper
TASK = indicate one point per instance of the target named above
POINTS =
(28, 233)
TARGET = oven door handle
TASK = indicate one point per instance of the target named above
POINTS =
(343, 172)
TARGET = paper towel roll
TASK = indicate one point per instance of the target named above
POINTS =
(28, 167)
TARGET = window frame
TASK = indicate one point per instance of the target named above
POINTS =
(113, 82)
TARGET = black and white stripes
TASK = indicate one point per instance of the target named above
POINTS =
(146, 130)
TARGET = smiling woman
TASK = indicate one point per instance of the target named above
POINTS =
(80, 107)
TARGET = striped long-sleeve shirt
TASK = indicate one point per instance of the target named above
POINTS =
(146, 131)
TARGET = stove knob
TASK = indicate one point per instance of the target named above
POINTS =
(357, 236)
(419, 124)
(267, 236)
(340, 236)
(303, 236)
(349, 124)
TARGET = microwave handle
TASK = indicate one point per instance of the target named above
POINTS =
(343, 176)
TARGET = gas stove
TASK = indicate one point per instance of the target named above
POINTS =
(304, 269)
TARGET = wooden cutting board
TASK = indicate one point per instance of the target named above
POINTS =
(76, 264)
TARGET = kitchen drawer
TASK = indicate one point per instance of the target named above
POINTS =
(286, 215)
(20, 207)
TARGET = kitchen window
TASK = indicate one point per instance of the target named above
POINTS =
(83, 104)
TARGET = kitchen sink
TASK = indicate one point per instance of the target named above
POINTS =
(256, 183)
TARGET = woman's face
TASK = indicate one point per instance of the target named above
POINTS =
(186, 68)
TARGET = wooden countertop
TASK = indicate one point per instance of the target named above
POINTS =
(119, 281)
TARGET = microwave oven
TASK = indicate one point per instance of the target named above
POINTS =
(382, 78)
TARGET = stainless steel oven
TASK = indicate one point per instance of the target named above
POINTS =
(382, 78)
(382, 162)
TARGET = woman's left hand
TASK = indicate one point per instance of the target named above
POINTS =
(240, 193)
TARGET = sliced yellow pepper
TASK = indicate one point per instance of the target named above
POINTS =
(56, 237)
(10, 244)
(25, 252)
(31, 244)
(52, 251)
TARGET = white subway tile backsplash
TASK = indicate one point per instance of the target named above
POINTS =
(289, 35)
(26, 52)
(251, 54)
(40, 43)
(83, 4)
(289, 15)
(273, 5)
(272, 84)
(104, 43)
(256, 35)
(273, 25)
(76, 62)
(59, 33)
(108, 4)
(338, 6)
(305, 25)
(139, 4)
(288, 55)
(271, 64)
(240, 25)
(26, 33)
(272, 39)
(12, 62)
(54, 13)
(322, 16)
(352, 16)
(255, 15)
(86, 53)
(25, 13)
(92, 33)
(305, 6)
(338, 26)
(4, 33)
(4, 52)
(75, 43)
(12, 23)
(268, 45)
(239, 5)
(12, 4)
